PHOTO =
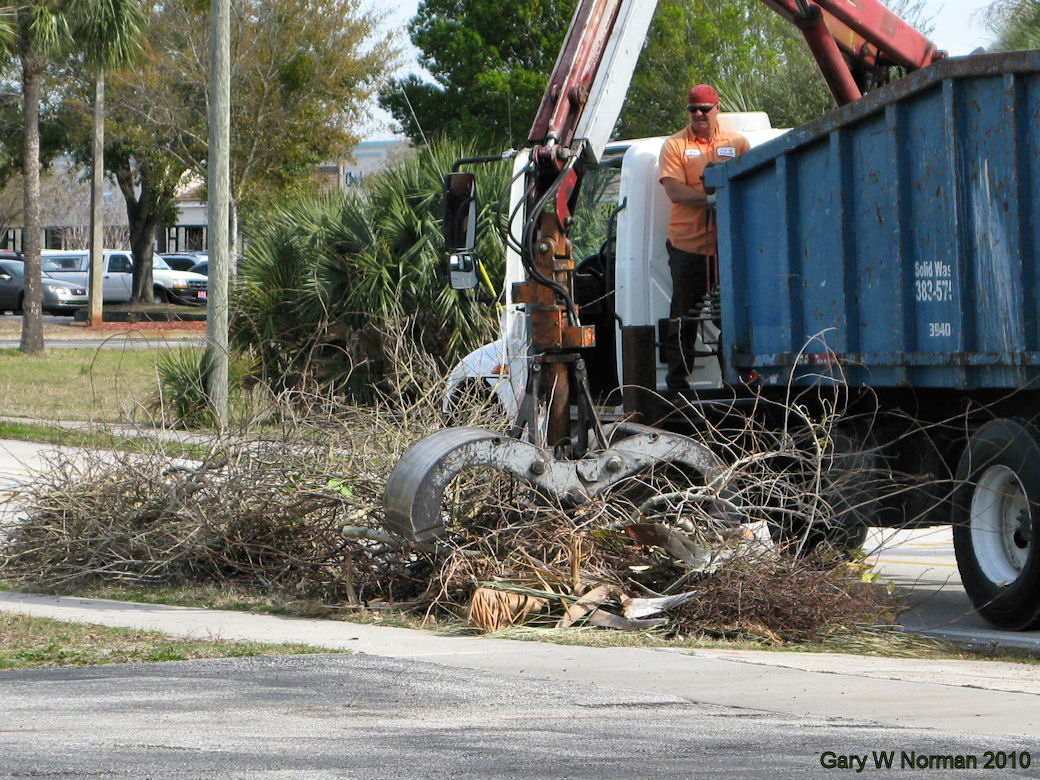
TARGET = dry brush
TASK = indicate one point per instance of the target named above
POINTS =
(300, 514)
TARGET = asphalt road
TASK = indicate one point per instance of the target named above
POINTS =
(62, 333)
(921, 565)
(48, 319)
(369, 717)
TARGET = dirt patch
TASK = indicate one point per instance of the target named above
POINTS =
(80, 327)
(12, 329)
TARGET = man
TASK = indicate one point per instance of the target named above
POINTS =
(692, 238)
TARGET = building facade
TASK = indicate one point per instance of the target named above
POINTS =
(65, 202)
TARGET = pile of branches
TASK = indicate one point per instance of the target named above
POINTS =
(297, 513)
(267, 515)
(655, 553)
(767, 548)
(748, 553)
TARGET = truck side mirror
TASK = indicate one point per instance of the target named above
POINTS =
(460, 229)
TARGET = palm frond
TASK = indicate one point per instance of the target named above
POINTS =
(323, 269)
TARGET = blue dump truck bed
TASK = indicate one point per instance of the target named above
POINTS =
(891, 242)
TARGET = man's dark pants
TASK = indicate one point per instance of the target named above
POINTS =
(689, 285)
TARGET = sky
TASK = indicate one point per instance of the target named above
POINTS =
(957, 28)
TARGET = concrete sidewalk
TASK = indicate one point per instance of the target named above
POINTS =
(124, 430)
(972, 697)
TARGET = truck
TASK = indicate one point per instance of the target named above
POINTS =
(883, 253)
(169, 286)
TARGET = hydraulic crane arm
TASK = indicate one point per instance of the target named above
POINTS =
(853, 42)
(592, 73)
(867, 30)
(850, 40)
(595, 64)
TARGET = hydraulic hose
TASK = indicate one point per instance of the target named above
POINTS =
(526, 256)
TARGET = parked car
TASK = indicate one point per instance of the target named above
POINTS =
(175, 286)
(168, 285)
(181, 261)
(202, 267)
(59, 296)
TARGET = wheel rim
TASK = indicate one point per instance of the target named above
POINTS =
(1000, 525)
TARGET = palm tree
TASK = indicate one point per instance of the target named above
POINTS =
(108, 37)
(41, 32)
(1016, 23)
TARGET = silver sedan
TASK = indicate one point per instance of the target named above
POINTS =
(59, 296)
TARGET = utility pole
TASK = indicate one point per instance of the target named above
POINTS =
(218, 209)
(95, 293)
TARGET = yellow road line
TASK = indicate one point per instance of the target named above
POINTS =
(915, 563)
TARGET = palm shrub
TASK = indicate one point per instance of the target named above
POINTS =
(181, 400)
(326, 276)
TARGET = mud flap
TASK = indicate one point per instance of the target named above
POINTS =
(412, 500)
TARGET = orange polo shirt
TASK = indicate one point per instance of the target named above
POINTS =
(684, 156)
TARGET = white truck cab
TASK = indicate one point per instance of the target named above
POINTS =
(623, 207)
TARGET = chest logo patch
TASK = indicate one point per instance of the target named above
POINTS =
(693, 152)
(726, 151)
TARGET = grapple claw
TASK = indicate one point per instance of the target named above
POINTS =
(412, 500)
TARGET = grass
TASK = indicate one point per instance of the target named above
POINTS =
(53, 434)
(99, 386)
(35, 643)
(162, 312)
(885, 642)
(109, 386)
(95, 438)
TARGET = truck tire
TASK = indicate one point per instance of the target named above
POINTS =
(850, 490)
(995, 520)
(922, 464)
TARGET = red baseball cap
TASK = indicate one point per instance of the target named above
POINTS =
(703, 94)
